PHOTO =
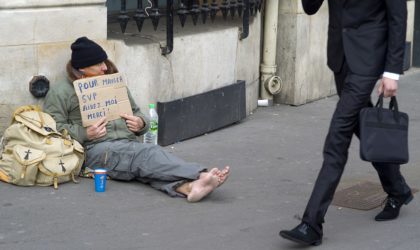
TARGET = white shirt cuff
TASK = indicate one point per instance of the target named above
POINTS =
(391, 76)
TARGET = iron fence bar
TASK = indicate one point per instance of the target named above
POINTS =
(213, 10)
(232, 8)
(155, 15)
(224, 8)
(182, 12)
(169, 28)
(251, 6)
(139, 17)
(123, 17)
(240, 7)
(245, 21)
(195, 12)
(205, 10)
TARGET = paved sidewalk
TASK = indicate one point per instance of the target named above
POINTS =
(275, 155)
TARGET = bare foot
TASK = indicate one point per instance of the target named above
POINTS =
(206, 183)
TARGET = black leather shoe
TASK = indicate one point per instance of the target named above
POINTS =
(392, 208)
(303, 234)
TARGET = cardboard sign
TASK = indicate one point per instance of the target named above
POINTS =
(102, 96)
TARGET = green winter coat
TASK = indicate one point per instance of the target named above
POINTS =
(62, 104)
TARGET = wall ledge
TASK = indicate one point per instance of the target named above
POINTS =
(25, 4)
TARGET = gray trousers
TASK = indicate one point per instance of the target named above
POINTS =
(128, 160)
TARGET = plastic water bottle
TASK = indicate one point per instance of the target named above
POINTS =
(152, 134)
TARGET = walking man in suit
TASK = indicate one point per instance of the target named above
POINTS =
(366, 42)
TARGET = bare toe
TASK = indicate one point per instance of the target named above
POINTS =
(223, 176)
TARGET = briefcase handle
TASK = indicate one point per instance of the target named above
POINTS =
(393, 105)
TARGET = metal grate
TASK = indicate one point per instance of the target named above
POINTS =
(362, 196)
(203, 10)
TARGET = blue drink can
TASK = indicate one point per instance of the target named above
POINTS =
(100, 180)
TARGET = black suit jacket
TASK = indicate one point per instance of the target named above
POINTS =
(368, 34)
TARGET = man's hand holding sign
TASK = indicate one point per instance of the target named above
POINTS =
(104, 98)
(97, 130)
(134, 123)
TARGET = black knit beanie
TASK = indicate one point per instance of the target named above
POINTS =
(86, 53)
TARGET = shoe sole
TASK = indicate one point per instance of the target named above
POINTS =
(315, 243)
(385, 219)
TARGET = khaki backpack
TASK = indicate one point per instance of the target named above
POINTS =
(35, 153)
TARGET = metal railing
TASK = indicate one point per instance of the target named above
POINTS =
(244, 9)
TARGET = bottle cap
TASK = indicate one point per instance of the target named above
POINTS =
(151, 105)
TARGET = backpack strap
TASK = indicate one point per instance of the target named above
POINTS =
(1, 145)
(25, 108)
(55, 178)
(4, 176)
(41, 118)
(73, 178)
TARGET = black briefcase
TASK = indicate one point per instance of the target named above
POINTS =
(384, 133)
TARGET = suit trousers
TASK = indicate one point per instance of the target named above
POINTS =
(354, 92)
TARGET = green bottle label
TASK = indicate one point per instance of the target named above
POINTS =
(153, 127)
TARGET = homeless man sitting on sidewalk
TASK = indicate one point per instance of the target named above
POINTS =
(114, 144)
